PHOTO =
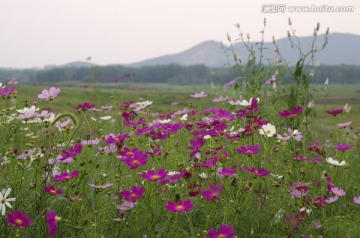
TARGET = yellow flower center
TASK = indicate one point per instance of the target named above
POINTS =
(249, 151)
(19, 221)
(53, 191)
(133, 196)
(221, 236)
(179, 207)
(268, 132)
(2, 200)
(155, 177)
(67, 177)
(129, 153)
(136, 162)
(337, 192)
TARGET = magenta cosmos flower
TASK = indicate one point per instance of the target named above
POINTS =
(6, 92)
(49, 94)
(52, 190)
(295, 111)
(258, 172)
(343, 147)
(224, 232)
(85, 106)
(134, 194)
(180, 207)
(51, 220)
(248, 150)
(226, 172)
(66, 176)
(68, 156)
(212, 193)
(135, 159)
(334, 112)
(198, 95)
(19, 219)
(152, 175)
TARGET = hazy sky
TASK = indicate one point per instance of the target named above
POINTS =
(34, 33)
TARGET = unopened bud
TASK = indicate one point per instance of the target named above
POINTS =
(289, 21)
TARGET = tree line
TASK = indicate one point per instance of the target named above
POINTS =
(172, 73)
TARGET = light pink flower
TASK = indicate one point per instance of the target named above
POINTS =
(49, 94)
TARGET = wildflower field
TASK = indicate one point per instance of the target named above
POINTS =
(216, 162)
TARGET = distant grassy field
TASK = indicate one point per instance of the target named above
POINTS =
(162, 95)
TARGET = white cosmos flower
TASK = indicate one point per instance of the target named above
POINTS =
(335, 162)
(27, 109)
(4, 201)
(268, 130)
(184, 117)
(105, 118)
(165, 121)
(248, 103)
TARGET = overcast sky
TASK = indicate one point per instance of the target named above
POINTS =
(34, 33)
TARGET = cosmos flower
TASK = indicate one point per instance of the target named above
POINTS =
(334, 112)
(198, 95)
(19, 219)
(85, 106)
(181, 206)
(212, 193)
(343, 147)
(258, 172)
(126, 205)
(134, 194)
(152, 175)
(4, 201)
(66, 176)
(225, 231)
(357, 200)
(338, 191)
(226, 172)
(293, 112)
(248, 150)
(52, 220)
(268, 130)
(49, 94)
(52, 190)
(335, 162)
(345, 124)
(106, 185)
(332, 199)
(230, 83)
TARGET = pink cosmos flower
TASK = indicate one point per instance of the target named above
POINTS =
(271, 80)
(230, 83)
(198, 95)
(152, 175)
(345, 124)
(49, 94)
(224, 232)
(334, 112)
(212, 193)
(180, 207)
(248, 150)
(338, 191)
(298, 189)
(66, 176)
(19, 219)
(295, 111)
(52, 190)
(332, 199)
(220, 99)
(343, 147)
(106, 185)
(134, 194)
(126, 205)
(51, 220)
(357, 200)
(258, 172)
